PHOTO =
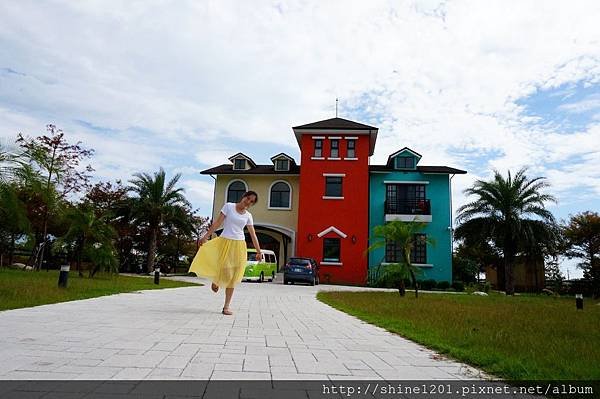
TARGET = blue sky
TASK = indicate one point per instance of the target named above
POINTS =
(184, 85)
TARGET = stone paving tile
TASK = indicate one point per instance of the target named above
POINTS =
(276, 332)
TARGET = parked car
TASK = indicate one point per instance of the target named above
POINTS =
(302, 270)
(267, 267)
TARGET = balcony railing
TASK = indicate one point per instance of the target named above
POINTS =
(408, 207)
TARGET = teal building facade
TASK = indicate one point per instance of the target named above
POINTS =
(405, 191)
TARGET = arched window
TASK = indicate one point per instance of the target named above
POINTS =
(280, 195)
(235, 191)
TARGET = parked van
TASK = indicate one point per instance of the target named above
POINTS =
(258, 271)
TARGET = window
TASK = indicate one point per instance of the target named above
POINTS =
(239, 163)
(419, 249)
(418, 253)
(350, 149)
(333, 186)
(406, 199)
(405, 162)
(282, 164)
(318, 148)
(235, 191)
(331, 250)
(280, 195)
(335, 148)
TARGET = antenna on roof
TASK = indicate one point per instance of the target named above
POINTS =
(336, 104)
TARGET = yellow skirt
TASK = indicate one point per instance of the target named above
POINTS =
(222, 260)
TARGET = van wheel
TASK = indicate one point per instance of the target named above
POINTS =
(261, 279)
(272, 276)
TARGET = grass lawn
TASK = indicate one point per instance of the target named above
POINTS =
(21, 289)
(519, 338)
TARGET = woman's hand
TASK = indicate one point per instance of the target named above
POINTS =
(203, 240)
(258, 256)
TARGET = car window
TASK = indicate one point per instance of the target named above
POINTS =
(270, 258)
(251, 255)
(299, 262)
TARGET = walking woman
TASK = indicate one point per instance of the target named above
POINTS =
(223, 260)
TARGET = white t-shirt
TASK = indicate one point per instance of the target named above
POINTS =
(233, 227)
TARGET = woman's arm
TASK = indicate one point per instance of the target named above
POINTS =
(254, 241)
(212, 228)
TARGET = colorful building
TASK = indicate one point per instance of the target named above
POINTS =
(327, 208)
(405, 191)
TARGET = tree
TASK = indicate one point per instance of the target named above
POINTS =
(510, 214)
(582, 234)
(57, 162)
(155, 201)
(404, 235)
(13, 219)
(88, 233)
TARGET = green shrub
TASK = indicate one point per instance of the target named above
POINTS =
(427, 284)
(443, 285)
(458, 286)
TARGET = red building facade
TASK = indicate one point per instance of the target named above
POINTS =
(333, 214)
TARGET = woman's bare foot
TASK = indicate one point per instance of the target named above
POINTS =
(227, 311)
(214, 287)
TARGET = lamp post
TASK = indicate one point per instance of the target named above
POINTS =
(63, 276)
(579, 301)
(156, 275)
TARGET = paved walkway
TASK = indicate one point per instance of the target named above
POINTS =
(277, 332)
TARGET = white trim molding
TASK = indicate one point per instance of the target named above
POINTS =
(351, 138)
(409, 218)
(350, 159)
(332, 198)
(334, 159)
(404, 182)
(329, 230)
(289, 207)
(414, 264)
(334, 138)
(331, 263)
(334, 174)
(317, 158)
(318, 137)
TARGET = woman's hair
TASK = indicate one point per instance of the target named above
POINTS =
(249, 193)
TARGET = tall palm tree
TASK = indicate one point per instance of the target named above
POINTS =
(509, 212)
(155, 201)
(404, 235)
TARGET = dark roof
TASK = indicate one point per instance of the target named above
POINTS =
(227, 169)
(423, 169)
(337, 124)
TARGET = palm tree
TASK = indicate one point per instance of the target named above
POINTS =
(87, 231)
(510, 213)
(155, 201)
(404, 235)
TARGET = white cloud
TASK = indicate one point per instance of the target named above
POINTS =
(183, 84)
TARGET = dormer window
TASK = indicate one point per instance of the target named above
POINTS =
(405, 162)
(239, 164)
(283, 162)
(282, 165)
